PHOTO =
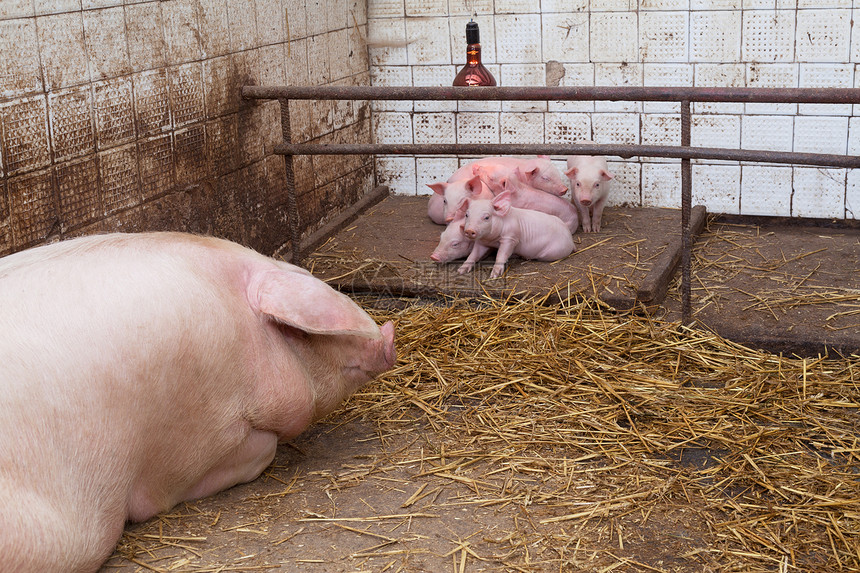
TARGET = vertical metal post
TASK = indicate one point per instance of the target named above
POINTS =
(686, 200)
(292, 204)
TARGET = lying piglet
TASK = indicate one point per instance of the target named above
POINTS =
(539, 173)
(139, 371)
(525, 197)
(589, 179)
(527, 233)
(542, 174)
(453, 243)
(447, 197)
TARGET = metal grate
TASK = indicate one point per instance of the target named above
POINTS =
(685, 152)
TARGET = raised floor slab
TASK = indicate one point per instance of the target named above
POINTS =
(387, 251)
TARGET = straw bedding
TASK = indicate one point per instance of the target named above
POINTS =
(778, 275)
(764, 448)
(584, 440)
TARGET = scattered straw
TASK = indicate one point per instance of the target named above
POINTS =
(764, 449)
(739, 262)
(579, 440)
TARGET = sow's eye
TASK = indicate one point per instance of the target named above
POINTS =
(486, 217)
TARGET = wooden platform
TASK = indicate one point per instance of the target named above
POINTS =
(387, 251)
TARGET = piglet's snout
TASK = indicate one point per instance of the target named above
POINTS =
(470, 233)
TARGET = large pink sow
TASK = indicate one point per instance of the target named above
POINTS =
(139, 371)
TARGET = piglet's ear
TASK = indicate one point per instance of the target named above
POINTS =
(304, 302)
(438, 188)
(572, 172)
(460, 212)
(481, 174)
(527, 173)
(474, 185)
(502, 203)
(606, 175)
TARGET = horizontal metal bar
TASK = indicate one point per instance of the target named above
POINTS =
(626, 151)
(561, 93)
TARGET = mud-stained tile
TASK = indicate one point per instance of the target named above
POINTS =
(63, 50)
(107, 48)
(25, 135)
(152, 103)
(114, 109)
(78, 190)
(32, 208)
(155, 156)
(119, 179)
(19, 75)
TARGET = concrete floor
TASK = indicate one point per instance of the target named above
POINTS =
(772, 284)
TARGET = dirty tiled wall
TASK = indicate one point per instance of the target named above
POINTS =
(755, 43)
(125, 115)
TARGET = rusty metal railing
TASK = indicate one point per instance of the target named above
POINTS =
(683, 95)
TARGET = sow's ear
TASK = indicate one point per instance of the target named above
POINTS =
(304, 302)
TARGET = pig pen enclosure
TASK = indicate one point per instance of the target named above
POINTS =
(566, 417)
(563, 418)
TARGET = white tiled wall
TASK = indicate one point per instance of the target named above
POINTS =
(755, 43)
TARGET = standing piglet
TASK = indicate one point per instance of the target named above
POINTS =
(139, 371)
(589, 180)
(527, 233)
